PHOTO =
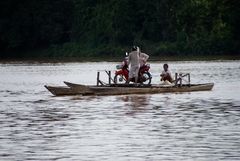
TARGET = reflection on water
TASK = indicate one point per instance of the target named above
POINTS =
(184, 126)
(134, 103)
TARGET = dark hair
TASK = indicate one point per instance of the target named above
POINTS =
(134, 48)
(165, 65)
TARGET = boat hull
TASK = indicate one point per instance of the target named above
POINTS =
(61, 90)
(78, 89)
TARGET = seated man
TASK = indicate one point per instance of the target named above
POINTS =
(166, 75)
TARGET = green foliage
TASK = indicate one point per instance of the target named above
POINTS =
(32, 24)
(99, 28)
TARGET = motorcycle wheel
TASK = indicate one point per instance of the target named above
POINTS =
(147, 78)
(119, 79)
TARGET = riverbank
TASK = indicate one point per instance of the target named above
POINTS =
(119, 59)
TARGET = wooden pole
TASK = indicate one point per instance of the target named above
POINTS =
(180, 79)
(109, 77)
(176, 78)
(189, 80)
(98, 74)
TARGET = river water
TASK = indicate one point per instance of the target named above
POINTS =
(34, 125)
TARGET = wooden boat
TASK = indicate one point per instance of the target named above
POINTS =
(123, 89)
(113, 89)
(61, 90)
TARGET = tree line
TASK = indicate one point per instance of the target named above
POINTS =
(79, 28)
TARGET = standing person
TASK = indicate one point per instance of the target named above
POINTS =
(166, 74)
(133, 61)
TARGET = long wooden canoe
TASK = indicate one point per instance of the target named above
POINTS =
(79, 89)
(61, 90)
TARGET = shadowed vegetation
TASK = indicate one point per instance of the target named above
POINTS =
(100, 28)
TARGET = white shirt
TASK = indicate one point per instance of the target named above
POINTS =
(133, 58)
(166, 72)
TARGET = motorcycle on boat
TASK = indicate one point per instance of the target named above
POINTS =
(121, 74)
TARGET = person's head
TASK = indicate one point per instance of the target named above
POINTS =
(165, 67)
(134, 48)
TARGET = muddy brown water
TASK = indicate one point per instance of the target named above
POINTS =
(34, 125)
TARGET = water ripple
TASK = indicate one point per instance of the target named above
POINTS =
(187, 126)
